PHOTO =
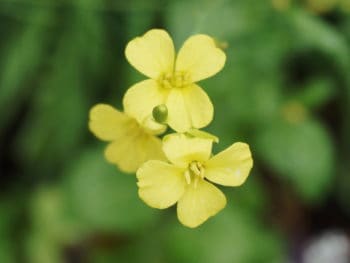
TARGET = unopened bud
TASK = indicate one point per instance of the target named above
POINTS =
(160, 113)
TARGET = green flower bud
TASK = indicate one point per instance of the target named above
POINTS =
(160, 113)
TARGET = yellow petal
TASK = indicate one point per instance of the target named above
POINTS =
(152, 54)
(189, 107)
(178, 114)
(199, 202)
(141, 98)
(153, 127)
(230, 167)
(160, 184)
(200, 57)
(202, 134)
(199, 106)
(108, 123)
(181, 149)
(135, 148)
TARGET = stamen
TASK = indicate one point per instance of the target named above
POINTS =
(187, 176)
(194, 168)
(196, 182)
(195, 171)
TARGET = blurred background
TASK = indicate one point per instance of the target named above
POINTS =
(285, 90)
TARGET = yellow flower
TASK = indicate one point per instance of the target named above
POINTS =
(185, 180)
(172, 81)
(132, 136)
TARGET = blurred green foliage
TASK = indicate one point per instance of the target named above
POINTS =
(285, 90)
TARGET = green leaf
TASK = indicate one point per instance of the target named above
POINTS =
(251, 197)
(316, 92)
(51, 218)
(22, 57)
(311, 32)
(6, 236)
(57, 120)
(302, 153)
(230, 236)
(41, 249)
(149, 247)
(58, 114)
(222, 19)
(103, 197)
(6, 250)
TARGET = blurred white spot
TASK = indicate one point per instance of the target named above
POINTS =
(331, 247)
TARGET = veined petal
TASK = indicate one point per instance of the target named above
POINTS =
(107, 123)
(140, 99)
(178, 113)
(181, 149)
(230, 167)
(153, 127)
(135, 148)
(199, 106)
(189, 107)
(153, 146)
(202, 134)
(160, 184)
(152, 54)
(199, 202)
(200, 57)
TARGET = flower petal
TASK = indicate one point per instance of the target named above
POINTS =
(153, 127)
(181, 149)
(160, 184)
(202, 134)
(189, 107)
(152, 54)
(200, 108)
(200, 57)
(199, 202)
(230, 167)
(140, 99)
(107, 123)
(135, 148)
(178, 113)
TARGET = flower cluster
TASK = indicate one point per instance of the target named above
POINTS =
(178, 168)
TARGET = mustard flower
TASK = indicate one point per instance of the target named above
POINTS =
(186, 178)
(172, 80)
(132, 135)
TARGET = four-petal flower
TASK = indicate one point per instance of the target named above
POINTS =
(132, 136)
(185, 178)
(172, 80)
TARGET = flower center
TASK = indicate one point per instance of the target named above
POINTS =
(195, 171)
(178, 79)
